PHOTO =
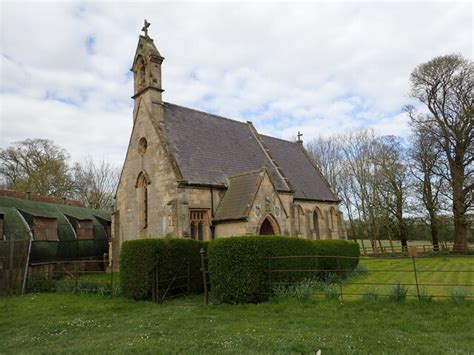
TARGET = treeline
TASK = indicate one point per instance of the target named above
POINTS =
(388, 186)
(40, 166)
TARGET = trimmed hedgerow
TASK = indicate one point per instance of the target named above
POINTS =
(332, 248)
(238, 265)
(138, 259)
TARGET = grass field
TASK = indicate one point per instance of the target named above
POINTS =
(58, 322)
(438, 276)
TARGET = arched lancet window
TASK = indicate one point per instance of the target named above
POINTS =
(140, 74)
(299, 220)
(142, 186)
(333, 214)
(316, 218)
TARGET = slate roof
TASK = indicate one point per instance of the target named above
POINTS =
(296, 166)
(209, 149)
(239, 196)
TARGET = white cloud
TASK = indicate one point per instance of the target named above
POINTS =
(320, 68)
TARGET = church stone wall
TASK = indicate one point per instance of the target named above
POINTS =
(162, 187)
(330, 227)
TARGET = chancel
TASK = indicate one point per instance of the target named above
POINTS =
(196, 175)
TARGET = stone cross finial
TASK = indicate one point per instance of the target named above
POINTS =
(145, 28)
(299, 135)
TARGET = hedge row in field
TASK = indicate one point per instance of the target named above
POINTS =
(239, 266)
(139, 258)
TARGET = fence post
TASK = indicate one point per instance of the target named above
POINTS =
(189, 276)
(413, 256)
(204, 276)
(363, 246)
(340, 276)
(76, 276)
(153, 285)
(11, 265)
(269, 274)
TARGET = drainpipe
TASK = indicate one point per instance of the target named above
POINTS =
(212, 226)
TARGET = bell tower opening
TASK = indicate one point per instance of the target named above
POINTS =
(146, 68)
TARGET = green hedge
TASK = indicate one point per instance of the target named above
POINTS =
(138, 259)
(238, 265)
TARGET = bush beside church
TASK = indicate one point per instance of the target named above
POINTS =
(238, 266)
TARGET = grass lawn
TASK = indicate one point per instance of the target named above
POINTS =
(432, 273)
(60, 322)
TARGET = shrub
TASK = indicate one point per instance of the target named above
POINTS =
(300, 292)
(397, 292)
(371, 293)
(37, 283)
(424, 296)
(139, 258)
(332, 292)
(238, 266)
(459, 294)
(334, 248)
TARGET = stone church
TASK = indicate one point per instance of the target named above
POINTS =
(196, 175)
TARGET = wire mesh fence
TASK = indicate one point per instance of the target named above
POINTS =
(75, 276)
(395, 277)
(13, 261)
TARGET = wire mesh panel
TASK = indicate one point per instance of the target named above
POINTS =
(13, 260)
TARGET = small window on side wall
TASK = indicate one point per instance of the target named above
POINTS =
(142, 145)
(84, 229)
(45, 229)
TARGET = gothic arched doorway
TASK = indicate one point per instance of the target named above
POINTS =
(269, 227)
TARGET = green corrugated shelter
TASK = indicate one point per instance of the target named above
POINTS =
(18, 214)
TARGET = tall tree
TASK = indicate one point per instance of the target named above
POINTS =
(390, 164)
(96, 183)
(425, 164)
(36, 165)
(445, 86)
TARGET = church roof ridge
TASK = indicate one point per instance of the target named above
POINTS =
(251, 172)
(207, 113)
(280, 139)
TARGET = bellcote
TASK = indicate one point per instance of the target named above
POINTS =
(146, 65)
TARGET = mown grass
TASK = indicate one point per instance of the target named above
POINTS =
(59, 322)
(437, 276)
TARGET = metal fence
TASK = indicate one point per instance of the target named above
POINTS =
(422, 277)
(75, 276)
(13, 260)
(170, 283)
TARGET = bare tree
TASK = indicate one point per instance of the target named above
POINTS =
(96, 183)
(445, 85)
(36, 165)
(390, 166)
(326, 153)
(425, 164)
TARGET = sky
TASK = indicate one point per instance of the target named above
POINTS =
(321, 68)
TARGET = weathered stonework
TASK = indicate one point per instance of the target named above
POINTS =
(154, 199)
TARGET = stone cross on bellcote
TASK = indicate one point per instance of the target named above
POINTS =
(145, 28)
(299, 135)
